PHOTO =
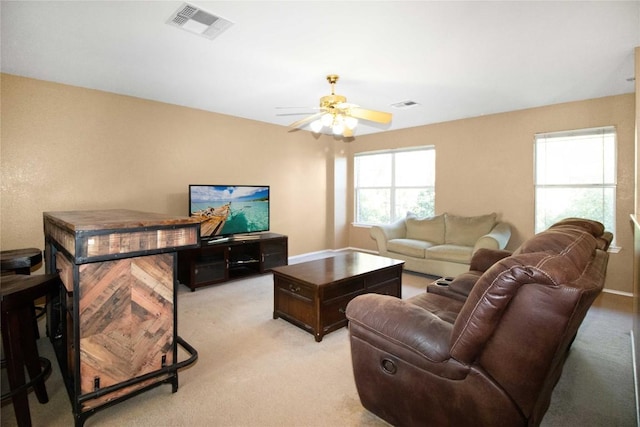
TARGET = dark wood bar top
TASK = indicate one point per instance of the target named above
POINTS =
(92, 220)
(97, 235)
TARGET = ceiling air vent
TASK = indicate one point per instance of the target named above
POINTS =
(197, 21)
(404, 104)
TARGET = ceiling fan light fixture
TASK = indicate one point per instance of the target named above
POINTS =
(350, 122)
(327, 120)
(316, 126)
(338, 115)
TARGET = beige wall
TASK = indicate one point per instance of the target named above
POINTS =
(68, 148)
(485, 164)
(637, 156)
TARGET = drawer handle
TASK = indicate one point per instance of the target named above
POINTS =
(294, 289)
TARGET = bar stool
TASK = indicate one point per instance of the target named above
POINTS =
(20, 261)
(17, 293)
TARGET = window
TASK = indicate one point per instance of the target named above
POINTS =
(389, 184)
(575, 176)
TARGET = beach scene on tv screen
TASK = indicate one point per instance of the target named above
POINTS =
(225, 210)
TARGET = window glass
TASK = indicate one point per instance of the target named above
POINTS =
(390, 184)
(575, 176)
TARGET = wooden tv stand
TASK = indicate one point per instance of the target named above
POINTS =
(232, 258)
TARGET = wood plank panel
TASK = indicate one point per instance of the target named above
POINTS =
(126, 318)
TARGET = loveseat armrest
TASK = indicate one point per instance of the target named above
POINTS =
(403, 324)
(383, 233)
(497, 238)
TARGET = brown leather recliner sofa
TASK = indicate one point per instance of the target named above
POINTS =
(488, 358)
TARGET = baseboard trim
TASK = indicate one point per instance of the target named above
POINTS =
(328, 252)
(613, 291)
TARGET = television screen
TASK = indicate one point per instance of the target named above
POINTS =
(224, 210)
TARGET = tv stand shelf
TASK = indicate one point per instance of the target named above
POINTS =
(231, 258)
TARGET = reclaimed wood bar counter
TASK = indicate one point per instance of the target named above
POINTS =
(114, 324)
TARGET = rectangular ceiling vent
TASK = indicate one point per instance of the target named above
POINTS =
(197, 21)
(403, 105)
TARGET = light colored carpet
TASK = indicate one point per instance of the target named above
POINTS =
(256, 371)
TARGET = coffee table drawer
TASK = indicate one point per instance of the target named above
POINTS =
(391, 287)
(333, 313)
(295, 302)
(383, 276)
(293, 289)
(342, 289)
(295, 309)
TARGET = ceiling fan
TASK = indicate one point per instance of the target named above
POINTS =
(339, 115)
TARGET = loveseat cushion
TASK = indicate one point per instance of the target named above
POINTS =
(451, 253)
(465, 231)
(409, 247)
(428, 229)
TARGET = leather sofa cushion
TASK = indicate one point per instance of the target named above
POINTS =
(428, 229)
(452, 253)
(445, 308)
(409, 247)
(465, 231)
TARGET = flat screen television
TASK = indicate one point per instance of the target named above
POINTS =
(226, 210)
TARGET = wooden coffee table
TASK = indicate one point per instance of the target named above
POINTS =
(314, 295)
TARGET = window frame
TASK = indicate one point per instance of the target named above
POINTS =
(604, 184)
(392, 187)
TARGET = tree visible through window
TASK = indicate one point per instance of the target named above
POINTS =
(389, 184)
(575, 176)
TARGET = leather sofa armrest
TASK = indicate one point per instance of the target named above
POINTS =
(497, 238)
(484, 258)
(402, 323)
(383, 233)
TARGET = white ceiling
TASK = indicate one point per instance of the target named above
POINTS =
(456, 59)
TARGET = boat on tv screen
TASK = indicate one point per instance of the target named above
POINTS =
(227, 210)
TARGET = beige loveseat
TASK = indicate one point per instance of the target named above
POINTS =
(441, 245)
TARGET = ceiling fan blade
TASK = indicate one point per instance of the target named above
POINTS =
(303, 113)
(371, 115)
(306, 120)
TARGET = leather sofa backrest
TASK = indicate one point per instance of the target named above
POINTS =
(523, 312)
(569, 225)
(594, 227)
